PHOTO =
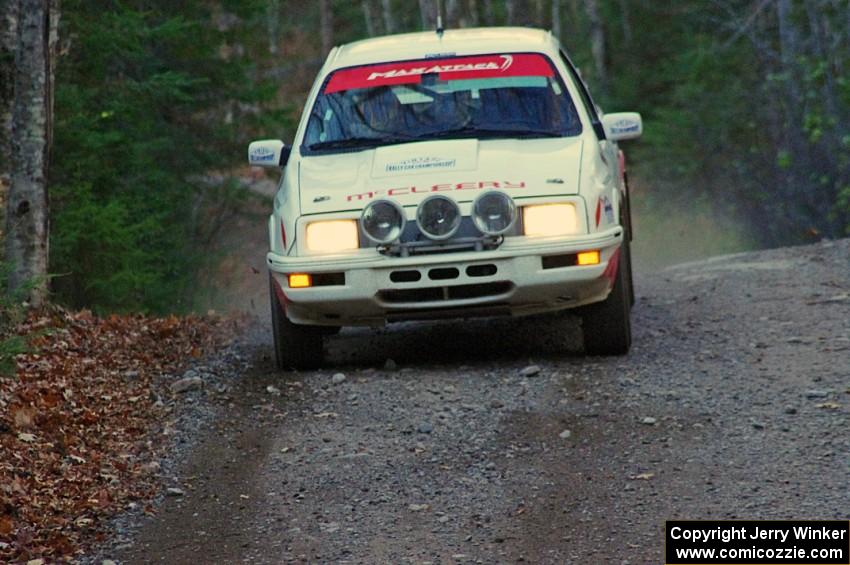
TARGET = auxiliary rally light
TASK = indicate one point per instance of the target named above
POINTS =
(494, 212)
(438, 217)
(383, 221)
(300, 280)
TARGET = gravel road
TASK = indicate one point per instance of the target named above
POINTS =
(484, 442)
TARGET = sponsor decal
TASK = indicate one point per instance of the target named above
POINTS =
(362, 196)
(624, 126)
(420, 164)
(400, 191)
(507, 61)
(609, 209)
(455, 68)
(262, 155)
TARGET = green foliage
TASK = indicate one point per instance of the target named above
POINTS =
(728, 119)
(139, 103)
(12, 312)
(9, 347)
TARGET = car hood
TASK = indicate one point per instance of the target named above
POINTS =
(459, 168)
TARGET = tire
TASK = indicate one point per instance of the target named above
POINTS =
(630, 234)
(296, 346)
(627, 205)
(628, 253)
(607, 325)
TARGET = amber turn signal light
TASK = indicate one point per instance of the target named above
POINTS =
(588, 258)
(300, 280)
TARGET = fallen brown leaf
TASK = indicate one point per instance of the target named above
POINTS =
(80, 416)
(23, 416)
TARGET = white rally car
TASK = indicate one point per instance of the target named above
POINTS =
(449, 175)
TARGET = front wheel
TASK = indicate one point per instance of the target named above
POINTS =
(607, 325)
(630, 234)
(627, 246)
(296, 346)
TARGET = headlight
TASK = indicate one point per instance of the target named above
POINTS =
(438, 217)
(383, 221)
(550, 219)
(494, 212)
(332, 236)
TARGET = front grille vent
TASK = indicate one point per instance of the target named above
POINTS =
(445, 293)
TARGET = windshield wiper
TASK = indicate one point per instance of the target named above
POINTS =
(470, 131)
(355, 143)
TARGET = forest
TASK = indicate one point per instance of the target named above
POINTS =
(132, 228)
(138, 157)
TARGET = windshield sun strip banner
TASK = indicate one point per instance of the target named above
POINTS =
(455, 68)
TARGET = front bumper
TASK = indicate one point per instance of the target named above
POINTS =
(510, 280)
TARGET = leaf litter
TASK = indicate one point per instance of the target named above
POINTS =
(81, 423)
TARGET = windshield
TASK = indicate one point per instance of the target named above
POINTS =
(490, 96)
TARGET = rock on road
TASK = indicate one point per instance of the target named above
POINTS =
(734, 403)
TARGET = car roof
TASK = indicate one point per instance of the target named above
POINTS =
(470, 41)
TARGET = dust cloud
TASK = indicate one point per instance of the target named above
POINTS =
(667, 232)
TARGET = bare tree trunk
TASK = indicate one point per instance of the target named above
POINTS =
(510, 12)
(326, 25)
(489, 13)
(789, 44)
(368, 17)
(8, 41)
(830, 88)
(54, 13)
(539, 18)
(556, 18)
(273, 25)
(824, 151)
(27, 207)
(575, 10)
(387, 13)
(836, 34)
(472, 8)
(627, 21)
(597, 41)
(795, 142)
(428, 13)
(453, 15)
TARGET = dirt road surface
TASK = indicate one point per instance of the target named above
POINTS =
(483, 442)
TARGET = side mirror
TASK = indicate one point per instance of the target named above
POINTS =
(622, 126)
(268, 153)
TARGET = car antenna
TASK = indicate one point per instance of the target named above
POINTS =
(440, 28)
